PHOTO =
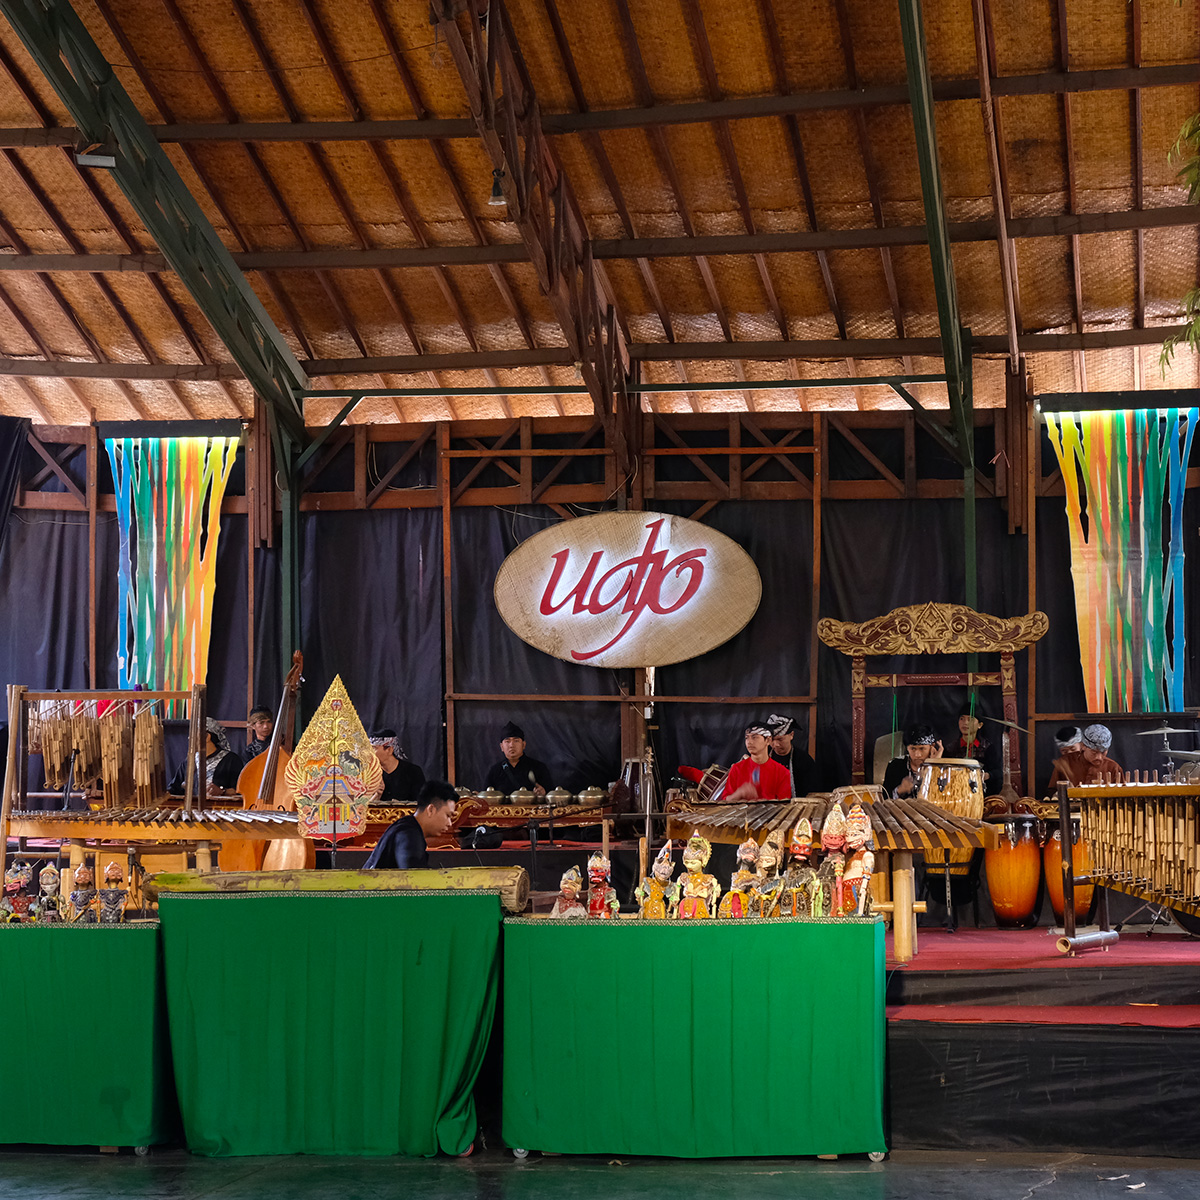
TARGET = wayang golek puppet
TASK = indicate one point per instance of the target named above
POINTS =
(699, 892)
(567, 905)
(738, 901)
(602, 902)
(658, 895)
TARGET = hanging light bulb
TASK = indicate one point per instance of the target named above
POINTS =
(496, 199)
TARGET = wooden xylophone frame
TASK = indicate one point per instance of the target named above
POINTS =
(1144, 839)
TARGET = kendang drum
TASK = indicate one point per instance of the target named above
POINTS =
(1014, 871)
(1081, 861)
(711, 787)
(955, 784)
(856, 793)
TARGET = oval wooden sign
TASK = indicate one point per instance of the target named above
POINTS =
(627, 589)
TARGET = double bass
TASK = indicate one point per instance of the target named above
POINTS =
(261, 786)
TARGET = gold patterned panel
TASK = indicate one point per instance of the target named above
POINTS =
(934, 628)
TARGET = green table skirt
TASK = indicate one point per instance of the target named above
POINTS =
(85, 1051)
(329, 1023)
(694, 1039)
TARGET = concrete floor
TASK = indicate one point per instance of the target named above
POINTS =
(495, 1175)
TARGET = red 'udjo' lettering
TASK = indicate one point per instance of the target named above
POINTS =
(638, 582)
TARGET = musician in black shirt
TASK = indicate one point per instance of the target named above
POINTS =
(402, 779)
(516, 769)
(404, 842)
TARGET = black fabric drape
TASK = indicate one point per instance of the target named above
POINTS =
(579, 741)
(14, 433)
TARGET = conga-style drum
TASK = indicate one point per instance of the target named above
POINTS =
(711, 787)
(1081, 861)
(955, 784)
(1014, 871)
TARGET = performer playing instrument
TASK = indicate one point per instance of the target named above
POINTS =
(798, 763)
(757, 776)
(402, 779)
(900, 778)
(405, 842)
(517, 769)
(1099, 768)
(258, 732)
(1070, 767)
(971, 744)
(222, 767)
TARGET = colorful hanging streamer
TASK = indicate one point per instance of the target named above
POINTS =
(1127, 551)
(169, 494)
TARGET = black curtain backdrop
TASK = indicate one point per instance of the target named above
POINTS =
(372, 611)
(14, 432)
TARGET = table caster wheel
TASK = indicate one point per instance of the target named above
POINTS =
(877, 1155)
(518, 1153)
(141, 1151)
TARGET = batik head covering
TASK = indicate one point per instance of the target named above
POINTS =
(780, 726)
(1097, 737)
(1067, 735)
(761, 729)
(217, 732)
(921, 735)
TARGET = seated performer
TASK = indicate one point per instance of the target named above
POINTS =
(900, 778)
(404, 842)
(799, 763)
(1070, 766)
(1098, 767)
(757, 776)
(970, 743)
(517, 770)
(402, 779)
(258, 732)
(222, 768)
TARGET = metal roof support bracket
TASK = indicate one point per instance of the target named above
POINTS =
(75, 68)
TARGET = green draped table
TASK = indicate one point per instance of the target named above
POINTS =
(85, 1053)
(329, 1022)
(694, 1039)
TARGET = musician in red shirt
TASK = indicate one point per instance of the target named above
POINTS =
(758, 776)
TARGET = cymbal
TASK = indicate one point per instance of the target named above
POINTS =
(1010, 724)
(1161, 730)
(1186, 755)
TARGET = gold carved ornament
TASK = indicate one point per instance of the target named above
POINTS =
(934, 628)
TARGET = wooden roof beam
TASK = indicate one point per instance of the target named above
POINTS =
(731, 108)
(420, 364)
(1139, 191)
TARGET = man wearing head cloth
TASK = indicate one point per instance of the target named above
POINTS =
(401, 779)
(516, 770)
(798, 763)
(900, 778)
(1098, 766)
(1069, 766)
(757, 776)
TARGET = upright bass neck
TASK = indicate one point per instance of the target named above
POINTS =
(284, 720)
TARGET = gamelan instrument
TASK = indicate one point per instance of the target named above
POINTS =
(956, 785)
(1144, 840)
(262, 788)
(1014, 872)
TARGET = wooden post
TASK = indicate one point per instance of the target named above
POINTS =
(15, 691)
(1068, 869)
(904, 921)
(444, 488)
(204, 857)
(643, 858)
(1033, 476)
(604, 826)
(814, 642)
(91, 483)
